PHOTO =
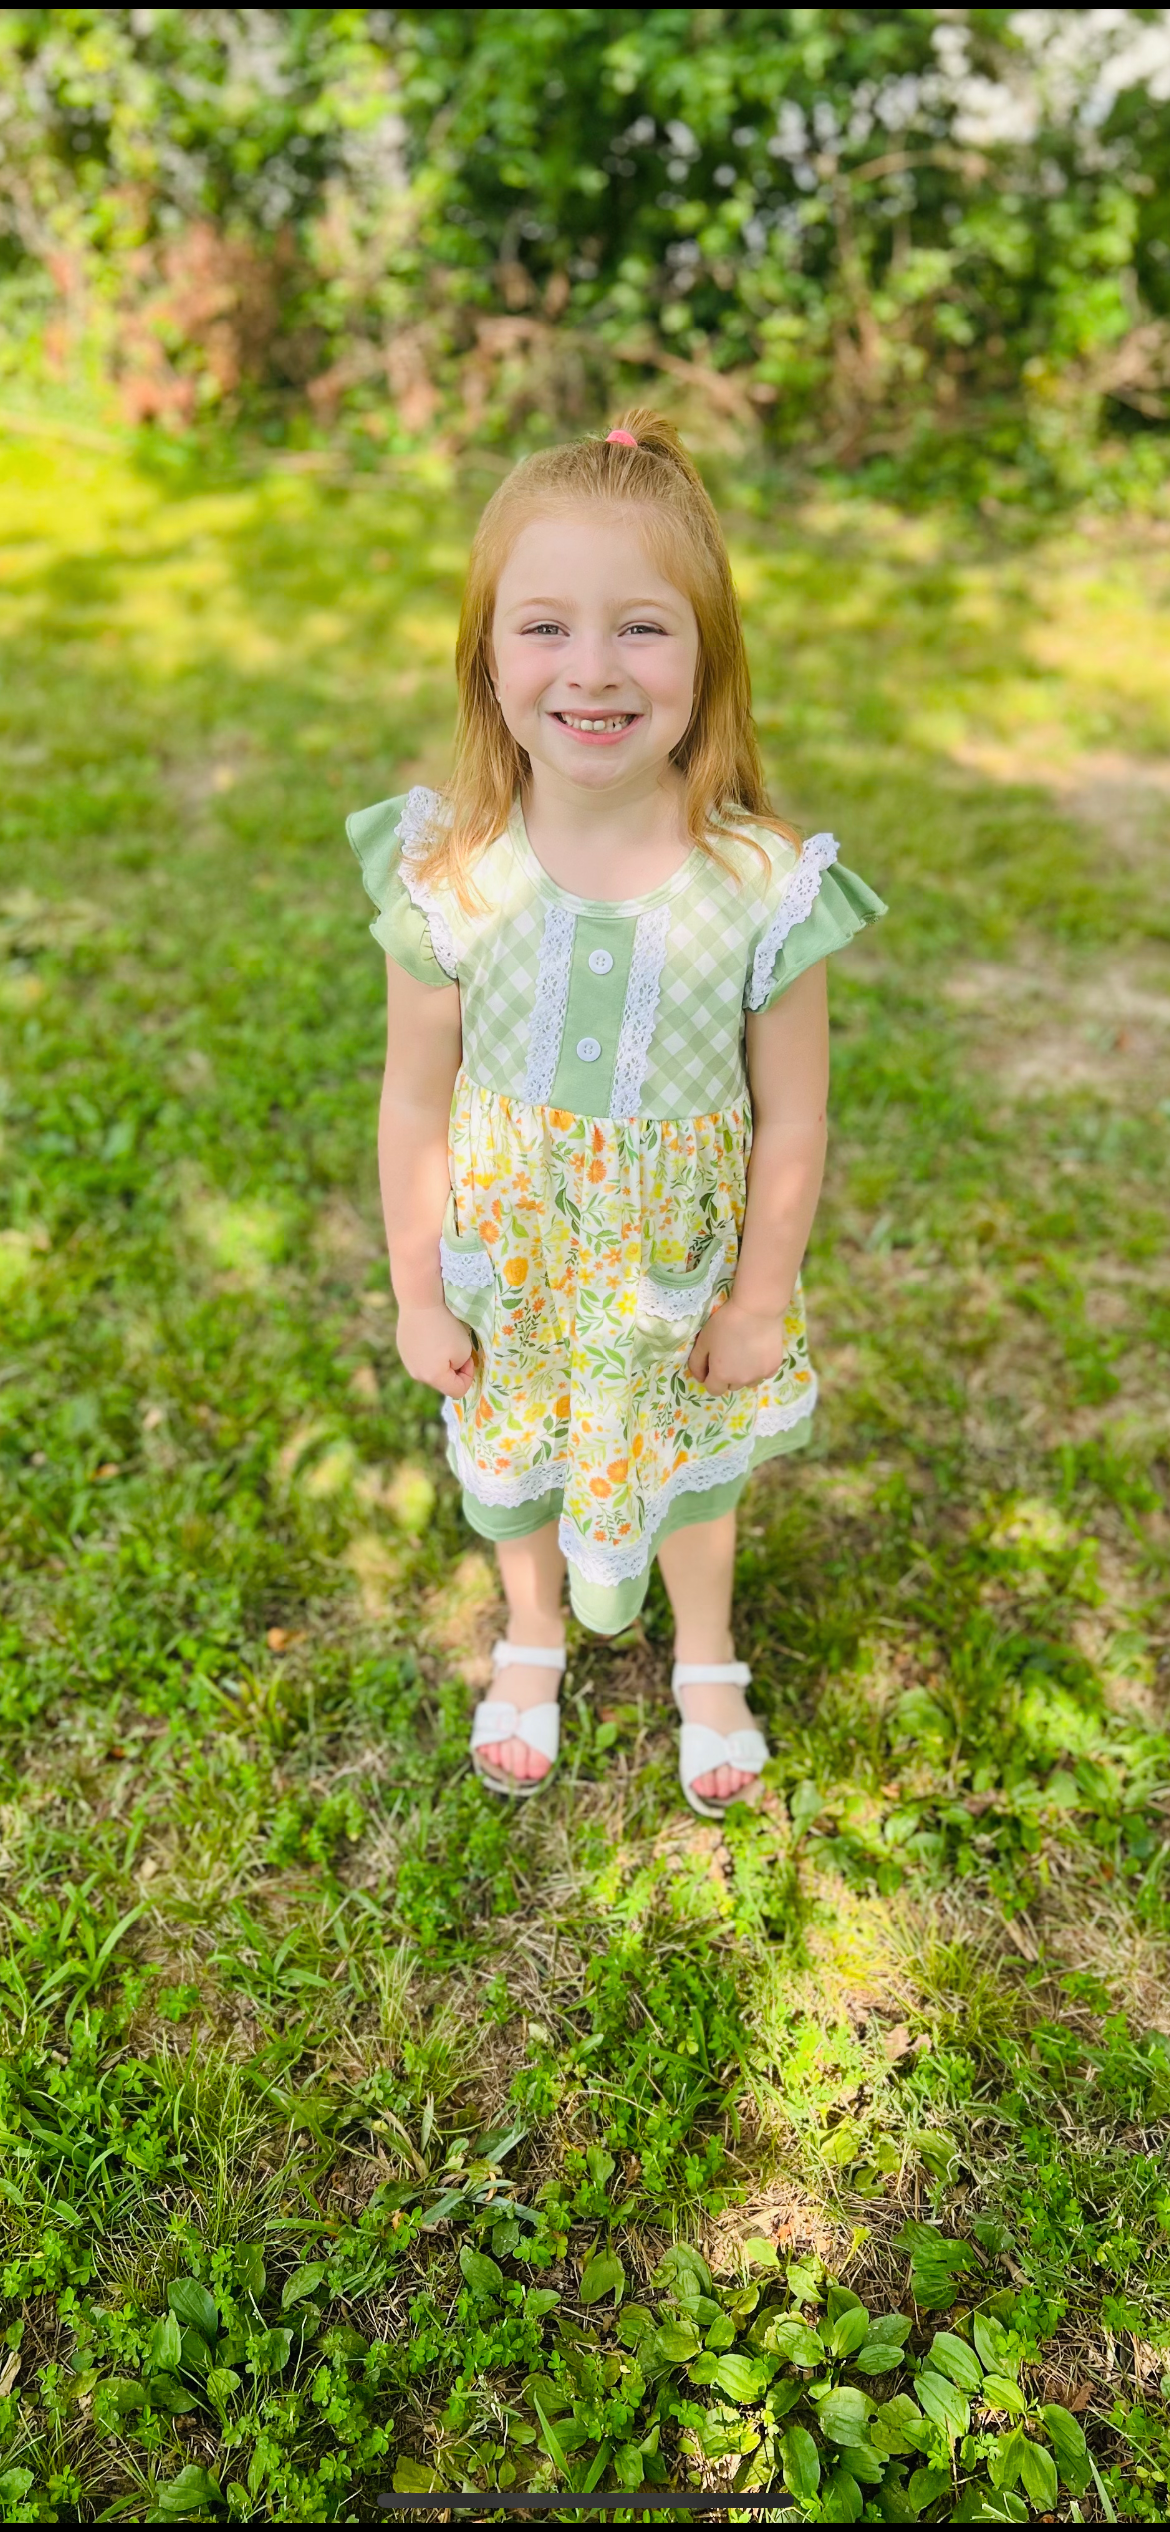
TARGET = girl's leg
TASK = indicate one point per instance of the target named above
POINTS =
(532, 1571)
(697, 1565)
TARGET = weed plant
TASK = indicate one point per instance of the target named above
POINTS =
(359, 2132)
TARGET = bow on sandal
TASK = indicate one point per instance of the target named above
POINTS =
(539, 1727)
(701, 1749)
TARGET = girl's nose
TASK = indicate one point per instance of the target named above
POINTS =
(594, 668)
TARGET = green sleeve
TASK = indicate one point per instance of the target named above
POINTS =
(842, 907)
(401, 928)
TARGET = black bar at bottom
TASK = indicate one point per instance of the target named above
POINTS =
(667, 2501)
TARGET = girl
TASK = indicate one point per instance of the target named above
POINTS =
(606, 991)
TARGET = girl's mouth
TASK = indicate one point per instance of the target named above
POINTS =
(596, 729)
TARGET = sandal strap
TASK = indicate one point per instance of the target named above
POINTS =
(714, 1674)
(539, 1727)
(529, 1656)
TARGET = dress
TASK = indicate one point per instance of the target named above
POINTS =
(600, 1129)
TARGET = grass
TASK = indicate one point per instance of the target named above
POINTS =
(357, 2133)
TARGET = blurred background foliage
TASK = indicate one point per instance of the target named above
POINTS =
(932, 240)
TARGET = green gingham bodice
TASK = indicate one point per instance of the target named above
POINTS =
(630, 1010)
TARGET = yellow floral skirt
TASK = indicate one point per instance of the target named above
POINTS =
(585, 1255)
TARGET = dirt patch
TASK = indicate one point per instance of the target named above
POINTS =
(463, 1617)
(1043, 1033)
(789, 2219)
(1127, 798)
(345, 1241)
(1078, 1924)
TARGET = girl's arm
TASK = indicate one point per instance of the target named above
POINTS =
(424, 1043)
(788, 1070)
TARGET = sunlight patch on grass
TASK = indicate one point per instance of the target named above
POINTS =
(18, 1260)
(375, 1568)
(409, 1496)
(459, 1611)
(245, 1238)
(332, 1474)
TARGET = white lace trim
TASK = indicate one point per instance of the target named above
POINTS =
(674, 1301)
(547, 1025)
(781, 1418)
(414, 827)
(600, 1563)
(549, 1477)
(798, 900)
(640, 1012)
(469, 1268)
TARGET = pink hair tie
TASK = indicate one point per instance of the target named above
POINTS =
(621, 439)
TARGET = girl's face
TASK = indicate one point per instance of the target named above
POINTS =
(595, 653)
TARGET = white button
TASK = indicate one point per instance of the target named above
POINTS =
(589, 1048)
(600, 962)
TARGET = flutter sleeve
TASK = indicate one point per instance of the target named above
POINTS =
(821, 907)
(406, 927)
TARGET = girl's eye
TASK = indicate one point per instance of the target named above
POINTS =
(544, 628)
(642, 628)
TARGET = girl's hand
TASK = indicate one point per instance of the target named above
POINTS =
(737, 1348)
(436, 1347)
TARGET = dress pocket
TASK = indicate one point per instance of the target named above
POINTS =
(469, 1283)
(672, 1307)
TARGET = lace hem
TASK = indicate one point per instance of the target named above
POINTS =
(414, 829)
(782, 1417)
(798, 900)
(549, 1477)
(599, 1563)
(469, 1269)
(551, 1003)
(641, 1011)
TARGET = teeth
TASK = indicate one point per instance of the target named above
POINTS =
(576, 721)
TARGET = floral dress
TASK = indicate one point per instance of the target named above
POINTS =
(600, 1130)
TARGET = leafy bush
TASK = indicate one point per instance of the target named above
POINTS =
(800, 2388)
(845, 227)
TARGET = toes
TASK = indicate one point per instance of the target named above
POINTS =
(723, 1784)
(514, 1758)
(528, 1764)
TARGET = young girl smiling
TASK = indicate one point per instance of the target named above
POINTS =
(603, 1118)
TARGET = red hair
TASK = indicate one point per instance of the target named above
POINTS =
(719, 757)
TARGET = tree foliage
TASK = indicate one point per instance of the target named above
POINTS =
(840, 223)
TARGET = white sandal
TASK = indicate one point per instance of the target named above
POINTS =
(539, 1727)
(701, 1749)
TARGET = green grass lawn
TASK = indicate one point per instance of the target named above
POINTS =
(358, 2132)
